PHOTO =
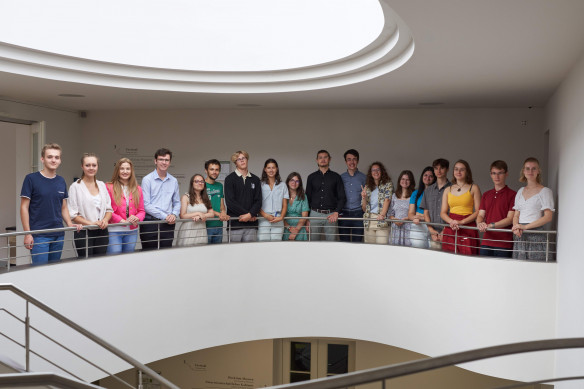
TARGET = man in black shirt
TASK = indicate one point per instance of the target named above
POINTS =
(326, 197)
(243, 198)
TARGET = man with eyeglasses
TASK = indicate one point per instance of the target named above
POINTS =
(496, 211)
(161, 202)
(243, 198)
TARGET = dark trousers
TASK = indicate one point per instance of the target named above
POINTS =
(491, 251)
(96, 242)
(351, 230)
(149, 234)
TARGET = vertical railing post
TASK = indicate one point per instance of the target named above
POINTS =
(27, 339)
(86, 243)
(308, 230)
(140, 386)
(229, 231)
(547, 246)
(455, 241)
(158, 234)
(9, 256)
(382, 384)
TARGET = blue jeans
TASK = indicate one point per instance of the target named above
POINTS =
(46, 249)
(215, 235)
(351, 230)
(122, 241)
(491, 251)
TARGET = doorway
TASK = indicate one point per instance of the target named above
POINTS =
(306, 359)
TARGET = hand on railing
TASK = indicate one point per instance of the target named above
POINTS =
(518, 229)
(133, 219)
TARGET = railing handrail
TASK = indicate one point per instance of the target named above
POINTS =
(37, 379)
(106, 345)
(422, 365)
(93, 227)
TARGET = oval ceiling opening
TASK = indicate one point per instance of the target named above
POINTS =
(205, 35)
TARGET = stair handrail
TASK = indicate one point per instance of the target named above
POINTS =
(13, 380)
(78, 328)
(421, 365)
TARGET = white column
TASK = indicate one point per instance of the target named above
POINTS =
(565, 116)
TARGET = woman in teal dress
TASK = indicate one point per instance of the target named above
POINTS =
(297, 206)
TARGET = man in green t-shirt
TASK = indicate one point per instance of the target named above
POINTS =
(215, 192)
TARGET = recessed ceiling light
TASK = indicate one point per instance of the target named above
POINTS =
(249, 105)
(431, 103)
(70, 95)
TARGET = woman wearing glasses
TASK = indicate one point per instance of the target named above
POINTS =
(194, 205)
(400, 205)
(297, 206)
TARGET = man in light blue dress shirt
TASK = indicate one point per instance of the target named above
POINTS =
(354, 181)
(161, 202)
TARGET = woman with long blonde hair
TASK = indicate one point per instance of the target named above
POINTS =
(128, 207)
(534, 208)
(90, 205)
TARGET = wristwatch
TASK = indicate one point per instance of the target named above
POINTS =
(492, 225)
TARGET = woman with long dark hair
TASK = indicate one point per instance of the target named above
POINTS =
(460, 207)
(297, 206)
(375, 199)
(419, 232)
(400, 205)
(194, 205)
(274, 203)
(90, 205)
(128, 207)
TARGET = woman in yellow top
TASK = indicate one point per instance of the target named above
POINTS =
(460, 207)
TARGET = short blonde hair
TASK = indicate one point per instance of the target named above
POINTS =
(50, 146)
(238, 153)
(522, 175)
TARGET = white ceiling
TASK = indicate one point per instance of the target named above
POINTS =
(468, 53)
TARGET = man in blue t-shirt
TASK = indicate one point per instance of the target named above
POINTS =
(43, 205)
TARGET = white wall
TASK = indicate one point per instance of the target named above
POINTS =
(159, 304)
(566, 124)
(400, 138)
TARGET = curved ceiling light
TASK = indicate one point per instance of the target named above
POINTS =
(391, 49)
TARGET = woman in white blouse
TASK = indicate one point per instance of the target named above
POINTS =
(90, 205)
(534, 207)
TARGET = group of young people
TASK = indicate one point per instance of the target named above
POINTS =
(268, 208)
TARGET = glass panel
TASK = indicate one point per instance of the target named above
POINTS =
(337, 359)
(300, 357)
(297, 377)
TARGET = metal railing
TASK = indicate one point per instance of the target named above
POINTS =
(548, 252)
(29, 300)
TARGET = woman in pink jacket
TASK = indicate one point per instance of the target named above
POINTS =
(128, 207)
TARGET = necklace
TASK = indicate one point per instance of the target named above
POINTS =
(459, 187)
